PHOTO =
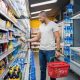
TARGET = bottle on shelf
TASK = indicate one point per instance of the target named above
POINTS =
(0, 49)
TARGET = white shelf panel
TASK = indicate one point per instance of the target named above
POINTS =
(3, 41)
(17, 35)
(75, 49)
(26, 75)
(75, 67)
(11, 39)
(17, 45)
(4, 29)
(10, 29)
(76, 16)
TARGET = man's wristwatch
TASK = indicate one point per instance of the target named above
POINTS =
(59, 50)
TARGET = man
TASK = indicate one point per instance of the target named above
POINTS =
(48, 33)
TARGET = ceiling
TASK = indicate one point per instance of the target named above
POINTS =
(56, 7)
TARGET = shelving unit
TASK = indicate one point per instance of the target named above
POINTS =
(8, 18)
(67, 32)
(11, 30)
(76, 16)
(6, 70)
(6, 54)
(74, 65)
(11, 4)
(35, 45)
(27, 67)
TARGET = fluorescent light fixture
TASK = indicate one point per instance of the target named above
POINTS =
(35, 17)
(43, 3)
(40, 11)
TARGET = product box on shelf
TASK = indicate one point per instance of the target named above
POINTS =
(0, 49)
(1, 35)
(5, 36)
(10, 34)
(8, 24)
(14, 73)
(2, 24)
(68, 32)
(2, 66)
(12, 17)
(5, 47)
(10, 45)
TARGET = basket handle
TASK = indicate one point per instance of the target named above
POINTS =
(52, 58)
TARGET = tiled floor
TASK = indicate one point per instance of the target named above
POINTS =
(71, 76)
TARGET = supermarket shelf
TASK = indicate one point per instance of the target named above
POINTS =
(6, 54)
(6, 16)
(68, 22)
(3, 41)
(10, 29)
(26, 60)
(27, 66)
(4, 29)
(6, 71)
(17, 45)
(11, 39)
(75, 49)
(13, 7)
(76, 16)
(75, 67)
(17, 35)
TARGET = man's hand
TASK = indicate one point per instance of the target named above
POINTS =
(57, 54)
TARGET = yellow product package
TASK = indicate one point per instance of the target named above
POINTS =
(8, 24)
(14, 79)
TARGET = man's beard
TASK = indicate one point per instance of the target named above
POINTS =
(42, 21)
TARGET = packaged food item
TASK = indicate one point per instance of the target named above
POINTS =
(0, 49)
(8, 24)
(5, 47)
(2, 66)
(4, 36)
(10, 45)
(2, 24)
(10, 34)
(1, 35)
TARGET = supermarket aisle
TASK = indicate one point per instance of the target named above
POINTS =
(71, 76)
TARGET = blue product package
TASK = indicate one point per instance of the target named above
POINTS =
(67, 59)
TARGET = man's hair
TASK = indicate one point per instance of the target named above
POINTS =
(43, 13)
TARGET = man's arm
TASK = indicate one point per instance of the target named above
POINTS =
(37, 38)
(57, 37)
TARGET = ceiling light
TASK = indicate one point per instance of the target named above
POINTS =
(40, 11)
(43, 3)
(35, 17)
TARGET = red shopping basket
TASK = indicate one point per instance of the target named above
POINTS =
(58, 69)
